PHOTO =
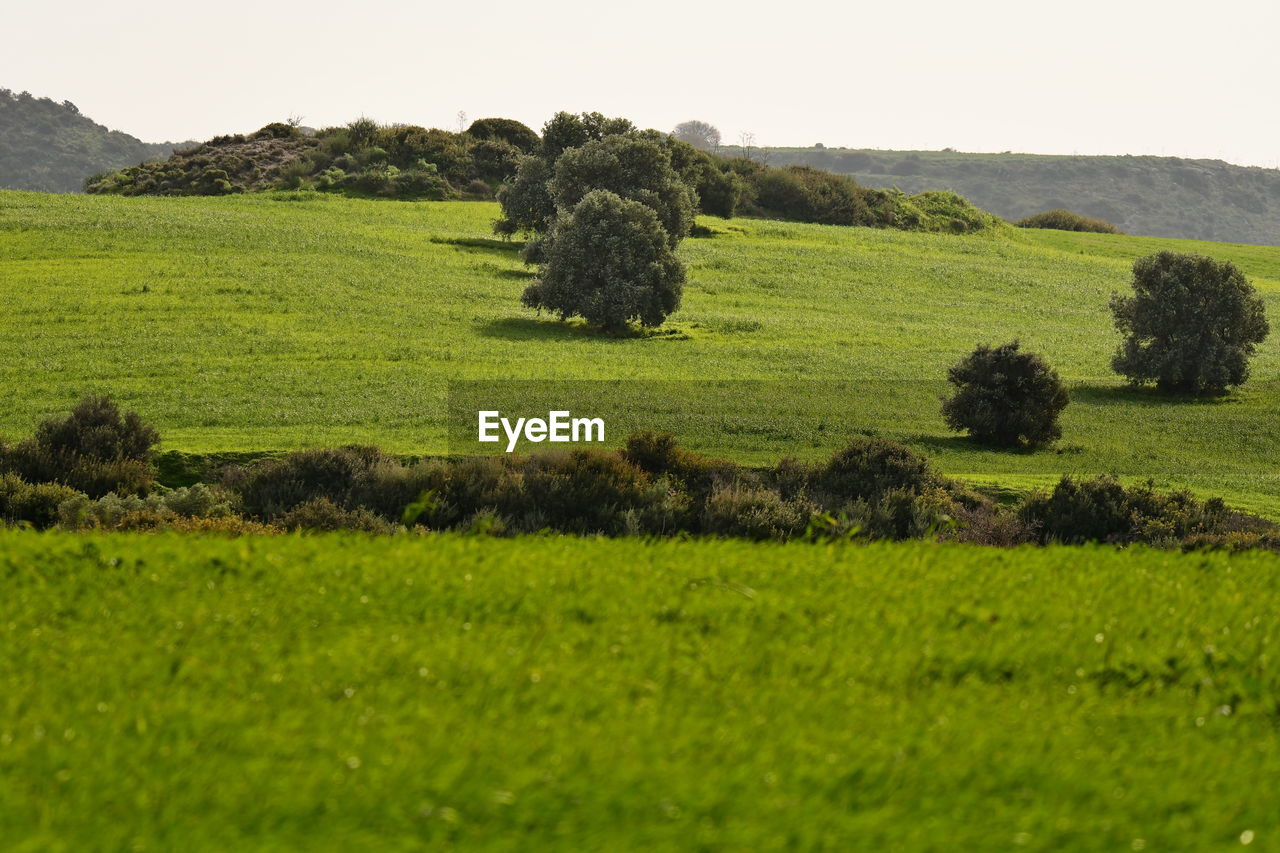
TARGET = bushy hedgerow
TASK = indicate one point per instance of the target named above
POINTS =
(507, 130)
(1005, 397)
(96, 449)
(272, 487)
(35, 504)
(132, 512)
(1104, 510)
(321, 515)
(1067, 220)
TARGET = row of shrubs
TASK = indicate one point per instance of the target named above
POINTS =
(1068, 220)
(872, 489)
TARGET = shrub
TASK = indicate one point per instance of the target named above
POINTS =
(95, 449)
(272, 487)
(609, 261)
(1067, 220)
(806, 194)
(119, 512)
(1005, 397)
(495, 160)
(506, 130)
(323, 515)
(585, 491)
(1191, 325)
(32, 503)
(1104, 510)
(869, 468)
(754, 512)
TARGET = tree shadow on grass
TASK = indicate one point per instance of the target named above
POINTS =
(966, 444)
(506, 247)
(533, 329)
(1145, 395)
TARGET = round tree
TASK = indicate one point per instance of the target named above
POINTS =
(1190, 326)
(1005, 397)
(609, 261)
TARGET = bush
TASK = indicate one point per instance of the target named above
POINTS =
(120, 512)
(506, 130)
(1005, 397)
(754, 512)
(32, 503)
(585, 491)
(805, 194)
(1191, 325)
(272, 487)
(869, 468)
(609, 261)
(322, 515)
(95, 449)
(1104, 510)
(495, 160)
(1067, 220)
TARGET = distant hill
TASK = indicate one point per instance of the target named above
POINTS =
(1154, 196)
(50, 147)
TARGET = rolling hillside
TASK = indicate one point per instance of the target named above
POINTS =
(50, 147)
(1156, 196)
(286, 320)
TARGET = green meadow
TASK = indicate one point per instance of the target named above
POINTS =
(165, 692)
(279, 321)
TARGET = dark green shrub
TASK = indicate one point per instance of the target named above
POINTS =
(95, 449)
(585, 491)
(1067, 220)
(1104, 510)
(506, 130)
(871, 467)
(1191, 325)
(321, 515)
(272, 487)
(806, 194)
(495, 160)
(32, 503)
(609, 261)
(277, 130)
(1005, 397)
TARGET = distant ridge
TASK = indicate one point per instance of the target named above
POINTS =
(50, 147)
(1152, 196)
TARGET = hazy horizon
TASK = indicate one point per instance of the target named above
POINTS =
(1143, 79)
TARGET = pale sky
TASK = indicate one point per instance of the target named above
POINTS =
(1085, 76)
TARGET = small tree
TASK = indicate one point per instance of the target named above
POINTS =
(609, 261)
(1005, 397)
(1190, 326)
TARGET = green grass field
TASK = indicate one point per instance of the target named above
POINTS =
(325, 693)
(261, 323)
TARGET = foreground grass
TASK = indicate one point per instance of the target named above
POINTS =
(163, 693)
(256, 324)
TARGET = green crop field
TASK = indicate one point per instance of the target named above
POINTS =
(284, 693)
(267, 323)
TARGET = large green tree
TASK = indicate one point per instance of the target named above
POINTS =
(1190, 326)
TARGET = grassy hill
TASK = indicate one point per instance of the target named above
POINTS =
(332, 693)
(287, 320)
(51, 147)
(1157, 196)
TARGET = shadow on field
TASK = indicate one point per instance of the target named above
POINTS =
(517, 274)
(1128, 395)
(531, 329)
(965, 444)
(486, 243)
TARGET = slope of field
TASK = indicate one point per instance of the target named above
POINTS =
(168, 692)
(266, 323)
(1160, 196)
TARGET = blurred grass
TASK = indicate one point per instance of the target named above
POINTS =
(169, 692)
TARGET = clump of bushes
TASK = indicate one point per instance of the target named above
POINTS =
(1067, 220)
(95, 449)
(1005, 397)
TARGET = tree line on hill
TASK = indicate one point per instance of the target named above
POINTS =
(48, 146)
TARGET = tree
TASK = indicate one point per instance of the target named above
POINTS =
(1005, 397)
(505, 130)
(635, 168)
(1190, 326)
(610, 261)
(699, 134)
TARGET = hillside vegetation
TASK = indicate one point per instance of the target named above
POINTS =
(335, 693)
(50, 147)
(276, 321)
(1156, 196)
